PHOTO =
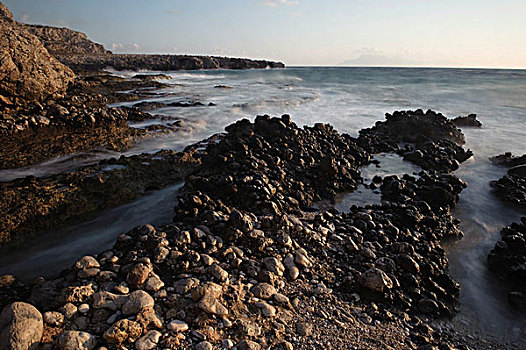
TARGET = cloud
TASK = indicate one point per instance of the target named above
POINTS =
(173, 11)
(25, 17)
(121, 47)
(371, 56)
(276, 3)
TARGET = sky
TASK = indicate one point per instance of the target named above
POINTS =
(441, 33)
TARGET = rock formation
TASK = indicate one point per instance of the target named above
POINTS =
(66, 41)
(27, 71)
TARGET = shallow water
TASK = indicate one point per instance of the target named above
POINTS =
(49, 253)
(390, 164)
(355, 98)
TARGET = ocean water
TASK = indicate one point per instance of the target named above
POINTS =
(352, 99)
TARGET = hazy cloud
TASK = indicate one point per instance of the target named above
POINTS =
(173, 11)
(371, 56)
(276, 3)
(125, 47)
(25, 17)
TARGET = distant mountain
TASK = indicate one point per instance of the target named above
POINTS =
(380, 60)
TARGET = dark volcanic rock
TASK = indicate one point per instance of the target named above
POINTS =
(508, 260)
(272, 166)
(434, 142)
(28, 71)
(417, 127)
(469, 121)
(511, 188)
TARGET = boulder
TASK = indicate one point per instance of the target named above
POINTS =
(28, 72)
(21, 326)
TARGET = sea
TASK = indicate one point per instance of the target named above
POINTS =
(350, 99)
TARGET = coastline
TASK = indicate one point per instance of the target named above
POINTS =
(250, 260)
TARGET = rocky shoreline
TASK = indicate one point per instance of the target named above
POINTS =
(508, 258)
(249, 261)
(256, 268)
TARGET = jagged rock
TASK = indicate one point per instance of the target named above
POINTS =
(470, 121)
(21, 326)
(66, 41)
(28, 71)
(123, 330)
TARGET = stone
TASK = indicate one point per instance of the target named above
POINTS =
(148, 318)
(376, 280)
(107, 300)
(204, 345)
(28, 71)
(177, 326)
(248, 345)
(207, 296)
(86, 262)
(263, 290)
(74, 340)
(303, 329)
(69, 310)
(149, 341)
(53, 318)
(266, 309)
(83, 308)
(137, 275)
(274, 265)
(21, 326)
(122, 331)
(218, 272)
(137, 301)
(77, 294)
(153, 283)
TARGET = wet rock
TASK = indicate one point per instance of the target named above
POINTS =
(21, 326)
(469, 120)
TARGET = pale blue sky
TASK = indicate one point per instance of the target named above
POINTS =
(474, 33)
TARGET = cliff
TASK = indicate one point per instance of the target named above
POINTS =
(75, 50)
(27, 71)
(161, 62)
(66, 41)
